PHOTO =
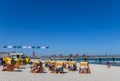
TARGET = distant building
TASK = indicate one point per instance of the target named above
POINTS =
(16, 55)
(12, 54)
(2, 54)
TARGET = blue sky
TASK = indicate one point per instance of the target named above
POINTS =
(67, 26)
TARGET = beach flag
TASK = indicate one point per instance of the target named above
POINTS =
(15, 46)
(5, 46)
(9, 46)
(19, 47)
(43, 47)
(47, 47)
(29, 47)
(32, 47)
(24, 47)
(38, 47)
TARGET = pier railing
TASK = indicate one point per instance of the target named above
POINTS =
(85, 56)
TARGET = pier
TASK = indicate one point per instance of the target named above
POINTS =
(85, 56)
(100, 58)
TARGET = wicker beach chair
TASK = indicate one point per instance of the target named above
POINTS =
(17, 64)
(52, 65)
(69, 64)
(73, 66)
(47, 63)
(39, 66)
(84, 67)
(66, 64)
(9, 67)
(58, 67)
(72, 63)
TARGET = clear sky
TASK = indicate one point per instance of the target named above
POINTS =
(66, 26)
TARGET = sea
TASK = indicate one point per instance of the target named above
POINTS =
(115, 62)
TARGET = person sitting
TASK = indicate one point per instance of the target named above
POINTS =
(108, 64)
(51, 67)
(74, 68)
(59, 69)
(69, 67)
(83, 69)
(35, 68)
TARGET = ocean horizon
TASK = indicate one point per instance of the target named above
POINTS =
(103, 61)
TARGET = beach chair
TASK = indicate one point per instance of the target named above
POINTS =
(46, 63)
(9, 67)
(72, 66)
(58, 67)
(66, 64)
(17, 64)
(52, 62)
(52, 65)
(40, 69)
(84, 67)
(7, 59)
(37, 67)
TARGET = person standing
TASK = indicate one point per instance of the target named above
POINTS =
(108, 64)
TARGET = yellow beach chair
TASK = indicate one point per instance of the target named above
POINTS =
(52, 65)
(59, 67)
(37, 67)
(84, 67)
(66, 64)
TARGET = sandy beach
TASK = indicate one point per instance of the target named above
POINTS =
(98, 73)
